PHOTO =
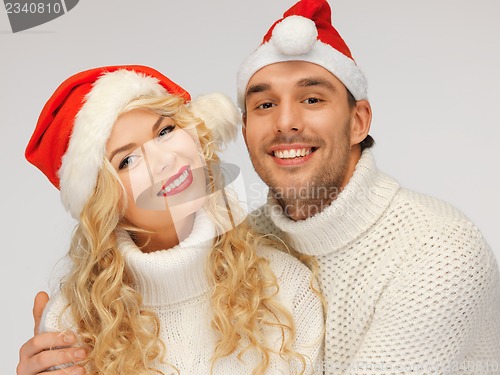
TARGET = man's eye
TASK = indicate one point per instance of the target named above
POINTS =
(166, 130)
(127, 162)
(312, 100)
(265, 105)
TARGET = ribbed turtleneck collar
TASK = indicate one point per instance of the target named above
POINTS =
(364, 199)
(166, 277)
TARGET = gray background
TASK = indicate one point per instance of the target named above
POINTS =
(434, 78)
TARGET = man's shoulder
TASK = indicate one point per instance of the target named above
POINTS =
(427, 207)
(439, 248)
(438, 227)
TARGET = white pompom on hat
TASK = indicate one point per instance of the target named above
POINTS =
(305, 33)
(69, 142)
(295, 35)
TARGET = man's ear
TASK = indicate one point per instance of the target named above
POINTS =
(361, 121)
(244, 127)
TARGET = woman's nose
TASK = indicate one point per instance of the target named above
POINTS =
(158, 156)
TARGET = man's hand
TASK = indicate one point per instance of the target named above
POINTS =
(39, 304)
(37, 355)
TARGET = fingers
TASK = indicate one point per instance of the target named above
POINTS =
(42, 362)
(41, 300)
(73, 370)
(38, 354)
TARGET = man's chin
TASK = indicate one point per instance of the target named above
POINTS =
(289, 192)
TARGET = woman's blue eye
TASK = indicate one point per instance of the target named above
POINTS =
(166, 130)
(126, 162)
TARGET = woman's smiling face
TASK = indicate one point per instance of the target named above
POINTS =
(160, 167)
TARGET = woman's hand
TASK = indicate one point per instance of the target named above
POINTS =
(38, 356)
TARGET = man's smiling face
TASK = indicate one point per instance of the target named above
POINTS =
(298, 132)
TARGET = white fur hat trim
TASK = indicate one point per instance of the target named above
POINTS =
(92, 128)
(341, 66)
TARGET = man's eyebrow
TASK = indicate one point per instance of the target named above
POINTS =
(260, 87)
(315, 81)
(121, 149)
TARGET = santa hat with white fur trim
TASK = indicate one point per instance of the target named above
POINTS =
(305, 33)
(69, 141)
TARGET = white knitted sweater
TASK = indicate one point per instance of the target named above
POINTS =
(175, 286)
(410, 284)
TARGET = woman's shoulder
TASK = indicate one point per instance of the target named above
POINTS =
(299, 293)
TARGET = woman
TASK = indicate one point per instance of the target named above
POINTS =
(166, 275)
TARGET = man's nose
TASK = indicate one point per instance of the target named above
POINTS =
(288, 119)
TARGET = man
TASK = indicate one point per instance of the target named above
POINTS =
(409, 283)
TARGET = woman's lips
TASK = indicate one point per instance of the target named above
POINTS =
(177, 183)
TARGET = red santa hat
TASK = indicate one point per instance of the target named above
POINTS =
(305, 33)
(69, 141)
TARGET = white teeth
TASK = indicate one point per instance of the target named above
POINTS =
(177, 182)
(290, 154)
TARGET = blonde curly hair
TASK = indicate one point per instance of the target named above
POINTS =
(124, 338)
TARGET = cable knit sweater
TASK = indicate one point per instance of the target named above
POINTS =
(175, 286)
(410, 284)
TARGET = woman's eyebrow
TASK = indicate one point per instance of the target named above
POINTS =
(158, 123)
(121, 149)
(134, 145)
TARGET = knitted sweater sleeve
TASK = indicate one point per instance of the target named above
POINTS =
(442, 298)
(55, 316)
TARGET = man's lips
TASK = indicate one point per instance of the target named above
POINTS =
(177, 183)
(291, 154)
